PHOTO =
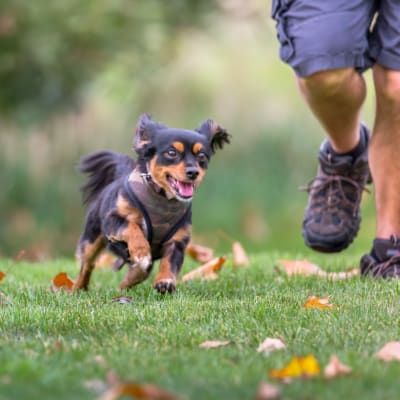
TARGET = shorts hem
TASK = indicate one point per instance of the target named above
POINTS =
(386, 58)
(329, 62)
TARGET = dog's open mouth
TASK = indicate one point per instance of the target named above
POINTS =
(183, 190)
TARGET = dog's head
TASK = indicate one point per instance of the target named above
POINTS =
(177, 159)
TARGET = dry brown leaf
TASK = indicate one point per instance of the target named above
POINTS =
(301, 267)
(135, 390)
(335, 368)
(389, 352)
(209, 268)
(298, 367)
(199, 253)
(307, 268)
(270, 344)
(266, 391)
(318, 302)
(62, 281)
(212, 344)
(240, 258)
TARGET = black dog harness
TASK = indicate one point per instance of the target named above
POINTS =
(163, 217)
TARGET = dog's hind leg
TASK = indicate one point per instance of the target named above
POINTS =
(88, 250)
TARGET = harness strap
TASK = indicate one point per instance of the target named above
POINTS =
(136, 202)
(179, 224)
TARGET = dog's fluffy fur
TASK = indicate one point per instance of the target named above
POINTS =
(142, 210)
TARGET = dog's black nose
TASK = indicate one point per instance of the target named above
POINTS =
(192, 173)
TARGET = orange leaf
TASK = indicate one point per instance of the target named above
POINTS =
(212, 344)
(134, 390)
(317, 302)
(2, 276)
(206, 270)
(62, 281)
(298, 367)
(240, 258)
(335, 368)
(389, 352)
(199, 253)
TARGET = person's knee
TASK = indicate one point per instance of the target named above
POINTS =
(387, 86)
(326, 83)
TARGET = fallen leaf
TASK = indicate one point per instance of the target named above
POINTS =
(298, 367)
(269, 345)
(317, 302)
(266, 391)
(307, 268)
(199, 253)
(240, 258)
(301, 267)
(389, 352)
(212, 344)
(335, 368)
(122, 299)
(209, 268)
(62, 281)
(135, 390)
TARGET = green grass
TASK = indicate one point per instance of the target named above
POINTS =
(48, 341)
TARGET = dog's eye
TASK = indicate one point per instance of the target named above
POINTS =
(171, 153)
(201, 156)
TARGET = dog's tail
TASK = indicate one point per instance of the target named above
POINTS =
(103, 167)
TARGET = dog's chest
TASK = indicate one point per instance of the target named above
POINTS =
(164, 217)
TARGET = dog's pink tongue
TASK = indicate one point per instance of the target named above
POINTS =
(185, 189)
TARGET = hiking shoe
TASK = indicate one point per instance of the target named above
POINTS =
(384, 259)
(332, 217)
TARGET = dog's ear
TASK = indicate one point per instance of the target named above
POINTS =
(146, 129)
(216, 135)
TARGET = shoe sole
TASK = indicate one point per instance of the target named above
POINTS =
(321, 245)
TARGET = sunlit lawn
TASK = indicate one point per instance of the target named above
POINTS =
(50, 343)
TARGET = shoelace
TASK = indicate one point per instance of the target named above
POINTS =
(382, 268)
(333, 194)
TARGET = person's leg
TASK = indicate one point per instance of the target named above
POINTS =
(335, 97)
(384, 151)
(326, 43)
(384, 258)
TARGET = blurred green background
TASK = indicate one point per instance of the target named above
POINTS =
(75, 76)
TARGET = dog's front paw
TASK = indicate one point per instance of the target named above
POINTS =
(165, 285)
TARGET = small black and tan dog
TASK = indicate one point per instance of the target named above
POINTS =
(141, 210)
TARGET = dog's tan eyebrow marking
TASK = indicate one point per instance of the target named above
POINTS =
(179, 146)
(197, 147)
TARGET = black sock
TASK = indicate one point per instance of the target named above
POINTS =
(359, 149)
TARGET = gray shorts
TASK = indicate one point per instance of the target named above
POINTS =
(319, 35)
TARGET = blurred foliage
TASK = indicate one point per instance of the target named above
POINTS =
(50, 51)
(182, 61)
